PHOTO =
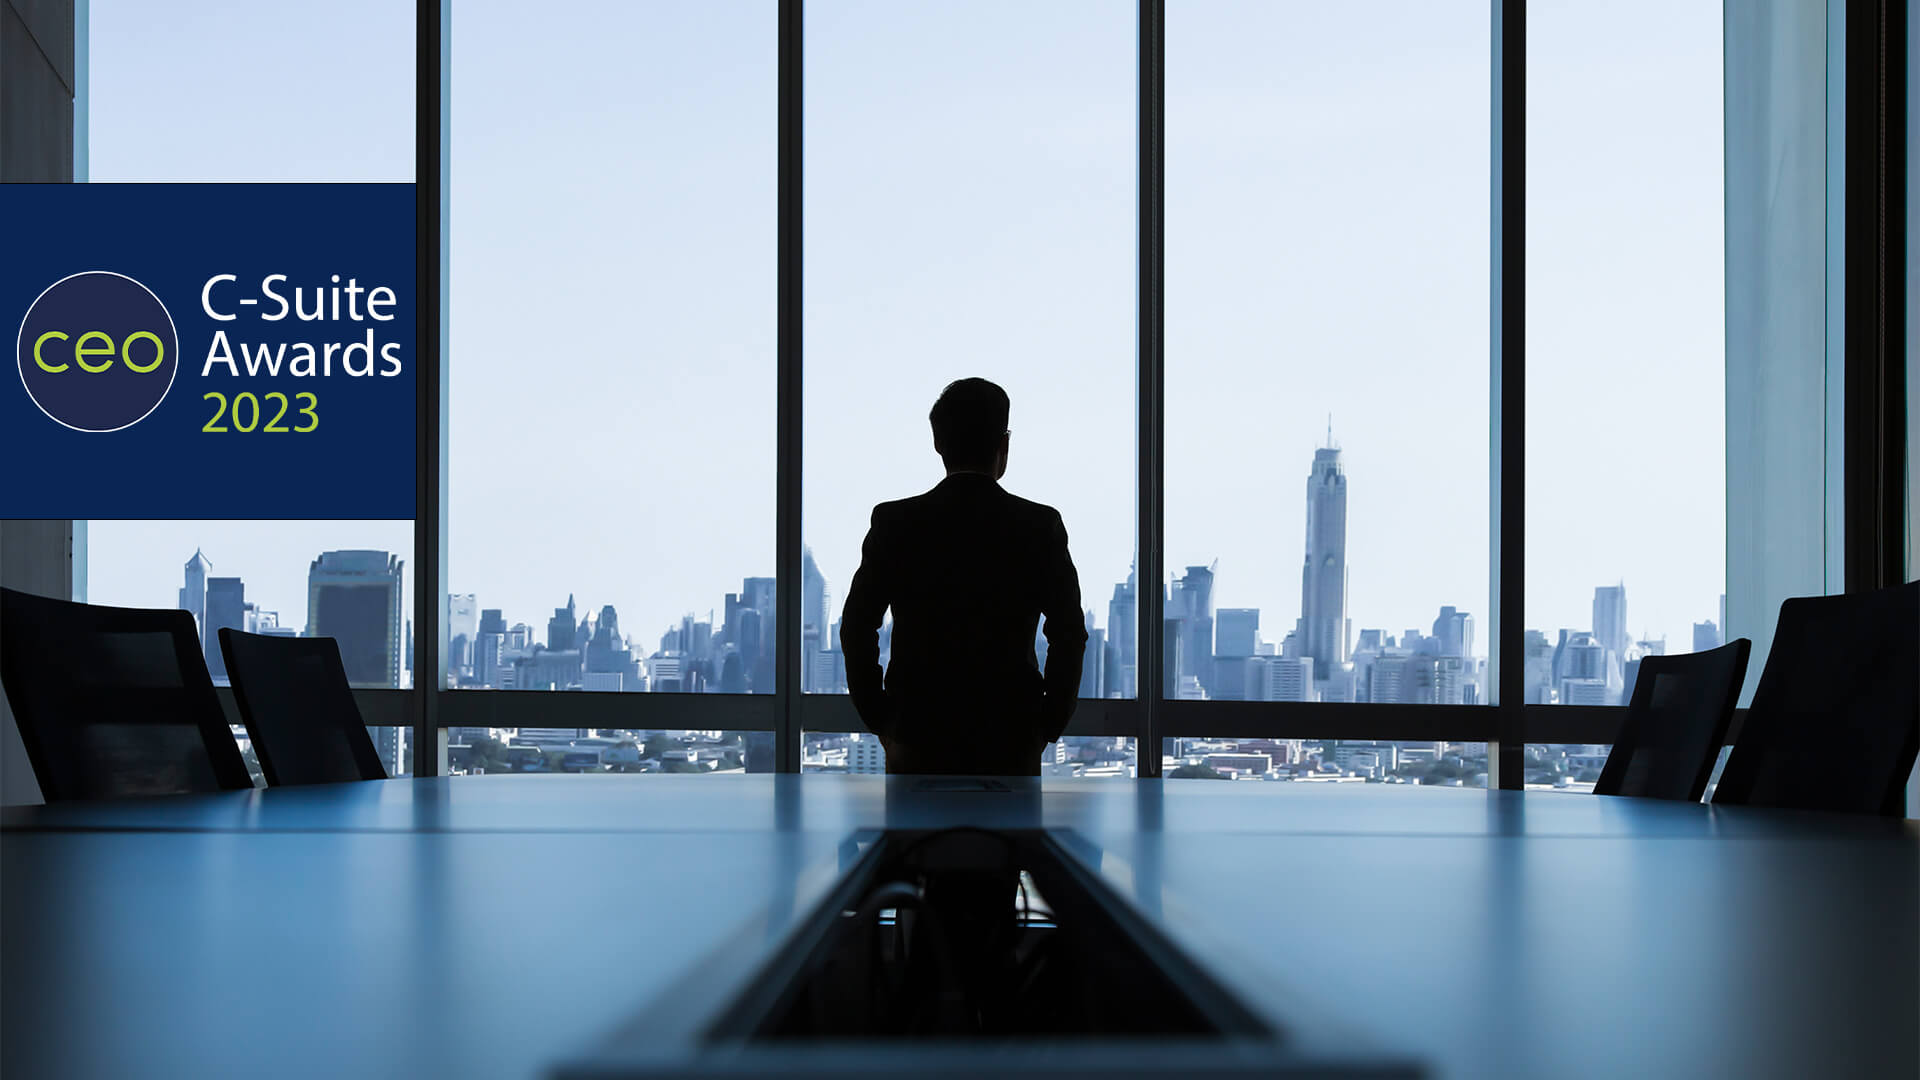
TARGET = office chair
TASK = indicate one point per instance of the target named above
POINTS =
(1835, 721)
(298, 708)
(1675, 724)
(114, 702)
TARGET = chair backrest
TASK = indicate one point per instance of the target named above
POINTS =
(114, 702)
(298, 707)
(1835, 721)
(1681, 708)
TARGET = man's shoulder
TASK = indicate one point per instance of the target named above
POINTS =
(1038, 510)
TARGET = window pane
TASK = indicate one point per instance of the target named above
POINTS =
(152, 71)
(1327, 350)
(611, 364)
(166, 95)
(1328, 761)
(1088, 757)
(1626, 445)
(970, 212)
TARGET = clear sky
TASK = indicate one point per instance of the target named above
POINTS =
(970, 204)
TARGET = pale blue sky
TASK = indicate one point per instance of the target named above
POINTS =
(970, 209)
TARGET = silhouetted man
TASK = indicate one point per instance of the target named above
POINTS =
(968, 570)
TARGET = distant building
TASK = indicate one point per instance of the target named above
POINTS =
(193, 593)
(226, 609)
(1289, 678)
(463, 627)
(1123, 634)
(1453, 631)
(1706, 635)
(1610, 620)
(1323, 577)
(1236, 632)
(355, 597)
(865, 754)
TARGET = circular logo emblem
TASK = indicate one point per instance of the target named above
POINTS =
(98, 351)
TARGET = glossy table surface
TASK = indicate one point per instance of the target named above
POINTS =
(497, 926)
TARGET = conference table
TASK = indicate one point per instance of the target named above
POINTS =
(505, 926)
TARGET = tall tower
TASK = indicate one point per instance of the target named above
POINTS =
(226, 609)
(193, 594)
(355, 597)
(813, 621)
(1122, 632)
(1610, 618)
(1323, 580)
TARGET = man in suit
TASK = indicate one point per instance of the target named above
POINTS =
(968, 570)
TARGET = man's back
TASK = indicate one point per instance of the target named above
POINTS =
(969, 570)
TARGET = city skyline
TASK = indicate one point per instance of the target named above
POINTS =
(1220, 653)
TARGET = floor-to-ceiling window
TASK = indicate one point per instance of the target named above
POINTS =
(161, 106)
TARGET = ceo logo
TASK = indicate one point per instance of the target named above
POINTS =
(98, 351)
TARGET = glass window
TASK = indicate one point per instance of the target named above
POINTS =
(611, 366)
(1327, 351)
(1626, 378)
(152, 70)
(970, 211)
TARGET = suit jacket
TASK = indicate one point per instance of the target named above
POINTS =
(969, 570)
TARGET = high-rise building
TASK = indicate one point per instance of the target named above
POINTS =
(1706, 636)
(1123, 634)
(1453, 631)
(814, 618)
(463, 626)
(1610, 620)
(562, 627)
(1289, 678)
(1323, 578)
(226, 608)
(355, 597)
(1236, 632)
(1093, 671)
(193, 593)
(489, 648)
(1191, 601)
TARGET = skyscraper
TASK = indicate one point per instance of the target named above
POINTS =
(193, 594)
(1236, 632)
(355, 597)
(226, 609)
(1705, 636)
(1191, 601)
(1610, 619)
(1123, 635)
(489, 648)
(1454, 632)
(814, 618)
(1323, 579)
(463, 626)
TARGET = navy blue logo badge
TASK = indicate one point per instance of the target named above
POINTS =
(98, 351)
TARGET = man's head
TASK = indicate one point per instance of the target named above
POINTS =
(970, 427)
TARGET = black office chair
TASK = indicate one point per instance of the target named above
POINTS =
(1675, 724)
(114, 702)
(298, 708)
(1835, 721)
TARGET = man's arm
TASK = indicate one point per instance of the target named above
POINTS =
(1066, 631)
(867, 600)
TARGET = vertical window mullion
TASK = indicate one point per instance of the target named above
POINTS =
(1509, 387)
(787, 542)
(1150, 411)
